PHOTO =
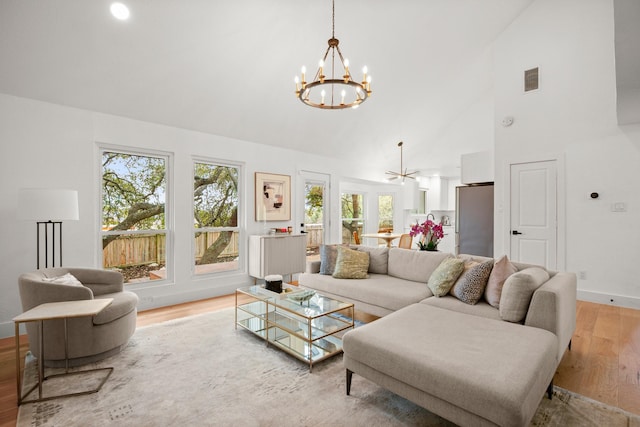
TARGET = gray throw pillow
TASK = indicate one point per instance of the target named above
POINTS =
(378, 258)
(517, 292)
(469, 288)
(328, 255)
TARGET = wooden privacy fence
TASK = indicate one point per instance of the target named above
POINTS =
(140, 249)
(204, 240)
(143, 249)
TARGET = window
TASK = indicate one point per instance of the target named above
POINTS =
(215, 212)
(134, 217)
(385, 213)
(352, 216)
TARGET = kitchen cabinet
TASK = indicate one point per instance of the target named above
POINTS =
(410, 195)
(431, 194)
(448, 242)
(451, 193)
(441, 195)
(477, 168)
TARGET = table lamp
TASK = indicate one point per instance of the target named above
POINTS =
(48, 207)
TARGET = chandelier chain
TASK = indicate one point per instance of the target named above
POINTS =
(333, 19)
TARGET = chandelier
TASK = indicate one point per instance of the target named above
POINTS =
(333, 93)
(403, 172)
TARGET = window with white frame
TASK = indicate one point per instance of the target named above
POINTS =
(352, 207)
(215, 212)
(134, 225)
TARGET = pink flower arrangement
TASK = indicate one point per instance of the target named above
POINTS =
(431, 235)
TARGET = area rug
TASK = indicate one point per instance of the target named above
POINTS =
(201, 371)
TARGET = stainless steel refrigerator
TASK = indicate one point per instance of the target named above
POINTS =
(474, 220)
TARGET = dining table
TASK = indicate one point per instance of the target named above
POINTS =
(387, 237)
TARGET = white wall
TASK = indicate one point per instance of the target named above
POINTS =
(572, 118)
(51, 146)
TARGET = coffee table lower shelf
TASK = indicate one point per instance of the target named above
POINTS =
(306, 332)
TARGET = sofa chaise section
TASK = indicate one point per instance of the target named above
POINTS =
(467, 369)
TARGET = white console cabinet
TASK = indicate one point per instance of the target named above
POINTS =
(277, 254)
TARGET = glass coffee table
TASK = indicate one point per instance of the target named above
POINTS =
(309, 329)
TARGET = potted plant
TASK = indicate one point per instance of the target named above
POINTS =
(431, 232)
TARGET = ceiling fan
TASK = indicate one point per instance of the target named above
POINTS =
(403, 172)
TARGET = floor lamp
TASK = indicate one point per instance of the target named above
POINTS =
(48, 207)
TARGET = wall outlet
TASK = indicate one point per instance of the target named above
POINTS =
(146, 300)
(582, 275)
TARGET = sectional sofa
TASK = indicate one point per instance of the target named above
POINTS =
(487, 363)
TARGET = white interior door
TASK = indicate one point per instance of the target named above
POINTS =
(534, 213)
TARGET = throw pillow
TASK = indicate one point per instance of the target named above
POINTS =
(328, 255)
(351, 264)
(67, 279)
(502, 269)
(517, 292)
(378, 258)
(468, 265)
(445, 275)
(469, 288)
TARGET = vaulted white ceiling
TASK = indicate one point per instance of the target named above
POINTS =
(227, 68)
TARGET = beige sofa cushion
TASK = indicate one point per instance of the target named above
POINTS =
(517, 292)
(502, 269)
(416, 266)
(351, 264)
(378, 258)
(443, 278)
(449, 302)
(379, 290)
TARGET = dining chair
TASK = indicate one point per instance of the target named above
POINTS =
(405, 241)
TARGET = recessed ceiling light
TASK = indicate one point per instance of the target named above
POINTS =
(120, 11)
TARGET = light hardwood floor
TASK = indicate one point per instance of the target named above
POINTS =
(603, 364)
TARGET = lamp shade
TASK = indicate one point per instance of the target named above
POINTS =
(44, 204)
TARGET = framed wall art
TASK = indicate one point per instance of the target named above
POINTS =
(273, 197)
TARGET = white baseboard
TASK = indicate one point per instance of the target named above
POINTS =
(7, 328)
(609, 299)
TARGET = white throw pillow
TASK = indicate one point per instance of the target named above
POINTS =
(67, 279)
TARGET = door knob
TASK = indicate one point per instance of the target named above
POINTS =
(515, 232)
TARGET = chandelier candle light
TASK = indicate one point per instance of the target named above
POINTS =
(333, 93)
